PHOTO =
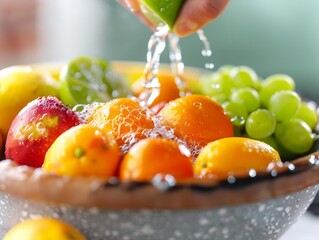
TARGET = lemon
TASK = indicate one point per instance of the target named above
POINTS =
(85, 80)
(19, 85)
(162, 11)
(234, 155)
(43, 229)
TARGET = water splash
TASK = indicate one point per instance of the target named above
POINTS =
(177, 64)
(156, 46)
(206, 52)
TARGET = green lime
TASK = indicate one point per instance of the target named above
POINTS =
(85, 80)
(158, 11)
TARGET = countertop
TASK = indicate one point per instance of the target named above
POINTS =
(306, 228)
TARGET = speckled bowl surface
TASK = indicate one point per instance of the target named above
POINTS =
(261, 220)
(262, 207)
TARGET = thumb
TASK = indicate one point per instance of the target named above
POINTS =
(197, 13)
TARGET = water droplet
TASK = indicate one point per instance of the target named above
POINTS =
(206, 52)
(184, 150)
(238, 121)
(198, 105)
(252, 173)
(290, 166)
(274, 173)
(209, 66)
(231, 179)
(163, 181)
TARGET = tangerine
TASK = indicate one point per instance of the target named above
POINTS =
(153, 156)
(125, 119)
(234, 155)
(167, 90)
(85, 151)
(197, 120)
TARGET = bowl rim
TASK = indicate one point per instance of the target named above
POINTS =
(32, 184)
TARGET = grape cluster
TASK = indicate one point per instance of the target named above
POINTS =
(265, 109)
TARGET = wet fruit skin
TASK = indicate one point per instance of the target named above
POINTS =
(85, 151)
(234, 155)
(18, 86)
(124, 118)
(153, 156)
(35, 128)
(197, 120)
(43, 229)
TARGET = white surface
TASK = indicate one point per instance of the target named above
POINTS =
(306, 228)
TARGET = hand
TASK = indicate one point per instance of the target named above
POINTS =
(134, 7)
(197, 13)
(194, 14)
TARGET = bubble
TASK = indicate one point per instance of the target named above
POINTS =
(252, 173)
(83, 111)
(231, 179)
(163, 181)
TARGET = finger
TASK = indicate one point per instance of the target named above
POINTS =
(197, 13)
(132, 5)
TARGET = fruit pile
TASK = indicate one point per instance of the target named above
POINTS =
(268, 110)
(110, 132)
(87, 121)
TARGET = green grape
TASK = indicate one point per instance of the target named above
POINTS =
(236, 112)
(248, 97)
(285, 155)
(271, 141)
(225, 70)
(273, 84)
(260, 124)
(284, 105)
(295, 136)
(307, 112)
(216, 86)
(258, 84)
(243, 76)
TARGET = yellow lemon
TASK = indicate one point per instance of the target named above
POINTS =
(19, 85)
(234, 155)
(43, 229)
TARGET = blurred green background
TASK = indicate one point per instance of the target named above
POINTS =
(270, 36)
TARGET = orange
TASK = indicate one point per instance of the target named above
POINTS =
(85, 151)
(234, 156)
(167, 91)
(43, 228)
(197, 120)
(156, 156)
(125, 119)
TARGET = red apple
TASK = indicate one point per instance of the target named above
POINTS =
(35, 128)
